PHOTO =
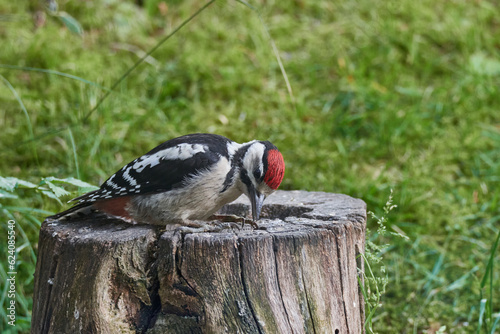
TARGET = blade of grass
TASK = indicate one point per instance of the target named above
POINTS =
(52, 132)
(137, 63)
(275, 51)
(27, 210)
(75, 157)
(494, 327)
(489, 267)
(433, 276)
(28, 120)
(24, 237)
(488, 275)
(482, 308)
(62, 74)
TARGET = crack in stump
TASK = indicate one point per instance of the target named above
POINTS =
(307, 301)
(48, 310)
(342, 273)
(275, 250)
(149, 313)
(245, 291)
(178, 265)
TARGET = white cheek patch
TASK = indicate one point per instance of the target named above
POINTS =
(179, 152)
(254, 154)
(253, 159)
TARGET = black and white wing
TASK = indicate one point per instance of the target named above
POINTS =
(164, 168)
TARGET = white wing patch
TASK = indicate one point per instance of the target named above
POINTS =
(111, 183)
(127, 177)
(178, 152)
(99, 195)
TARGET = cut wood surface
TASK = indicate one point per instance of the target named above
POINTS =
(297, 273)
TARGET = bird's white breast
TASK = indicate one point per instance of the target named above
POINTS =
(198, 198)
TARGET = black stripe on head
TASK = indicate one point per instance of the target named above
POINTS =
(244, 178)
(239, 155)
(236, 163)
(269, 146)
(258, 174)
(229, 179)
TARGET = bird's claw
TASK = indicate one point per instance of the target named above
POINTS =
(235, 219)
(251, 222)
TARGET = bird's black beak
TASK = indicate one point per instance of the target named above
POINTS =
(257, 200)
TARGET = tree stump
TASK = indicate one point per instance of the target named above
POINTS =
(297, 273)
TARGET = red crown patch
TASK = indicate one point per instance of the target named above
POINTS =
(275, 169)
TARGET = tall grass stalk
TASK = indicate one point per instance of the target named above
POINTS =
(26, 114)
(487, 320)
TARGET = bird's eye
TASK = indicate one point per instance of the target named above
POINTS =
(257, 173)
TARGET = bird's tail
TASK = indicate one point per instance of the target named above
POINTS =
(83, 208)
(79, 210)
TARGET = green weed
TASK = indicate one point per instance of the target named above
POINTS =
(14, 207)
(375, 277)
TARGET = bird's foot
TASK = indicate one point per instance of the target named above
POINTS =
(234, 219)
(199, 229)
(200, 226)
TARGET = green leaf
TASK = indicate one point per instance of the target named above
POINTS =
(27, 210)
(7, 183)
(5, 194)
(11, 183)
(71, 23)
(58, 191)
(50, 194)
(25, 184)
(73, 181)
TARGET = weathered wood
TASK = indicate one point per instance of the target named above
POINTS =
(297, 273)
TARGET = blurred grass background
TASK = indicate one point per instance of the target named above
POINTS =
(400, 95)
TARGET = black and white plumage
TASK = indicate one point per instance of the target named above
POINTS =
(187, 178)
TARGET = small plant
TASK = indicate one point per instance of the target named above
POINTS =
(48, 186)
(375, 276)
(21, 221)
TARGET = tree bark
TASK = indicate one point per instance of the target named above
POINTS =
(297, 273)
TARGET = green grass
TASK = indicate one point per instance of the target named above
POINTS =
(387, 95)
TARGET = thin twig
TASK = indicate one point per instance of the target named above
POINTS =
(43, 70)
(137, 63)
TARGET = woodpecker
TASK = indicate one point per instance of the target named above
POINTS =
(187, 178)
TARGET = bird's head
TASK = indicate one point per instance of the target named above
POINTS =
(262, 171)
